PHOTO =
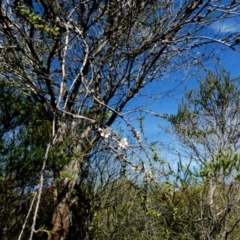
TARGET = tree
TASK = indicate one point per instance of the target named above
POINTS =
(208, 118)
(207, 125)
(84, 61)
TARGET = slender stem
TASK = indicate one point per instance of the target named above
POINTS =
(40, 190)
(29, 211)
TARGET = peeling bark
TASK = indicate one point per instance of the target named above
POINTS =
(62, 215)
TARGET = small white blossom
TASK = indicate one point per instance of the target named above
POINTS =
(123, 143)
(149, 176)
(138, 136)
(105, 133)
(136, 167)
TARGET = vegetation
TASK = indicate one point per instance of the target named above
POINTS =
(75, 162)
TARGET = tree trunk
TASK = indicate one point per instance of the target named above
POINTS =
(211, 190)
(62, 215)
(61, 218)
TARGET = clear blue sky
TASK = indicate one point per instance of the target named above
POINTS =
(229, 59)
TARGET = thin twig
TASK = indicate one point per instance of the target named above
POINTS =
(29, 211)
(40, 188)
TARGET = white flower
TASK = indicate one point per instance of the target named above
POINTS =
(123, 143)
(105, 133)
(138, 136)
(149, 176)
(136, 168)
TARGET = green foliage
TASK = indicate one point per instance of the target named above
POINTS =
(103, 55)
(215, 95)
(207, 125)
(24, 132)
(226, 165)
(208, 117)
(102, 117)
(36, 20)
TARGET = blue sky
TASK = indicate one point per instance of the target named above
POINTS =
(228, 58)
